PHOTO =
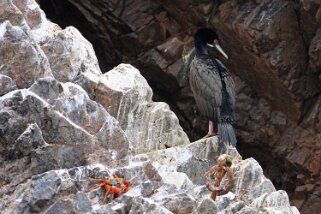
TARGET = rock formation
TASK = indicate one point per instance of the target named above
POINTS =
(274, 51)
(61, 120)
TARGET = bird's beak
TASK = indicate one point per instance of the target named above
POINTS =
(218, 47)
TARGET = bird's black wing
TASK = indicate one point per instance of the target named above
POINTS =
(229, 82)
(225, 129)
(206, 85)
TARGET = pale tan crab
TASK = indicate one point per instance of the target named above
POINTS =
(224, 163)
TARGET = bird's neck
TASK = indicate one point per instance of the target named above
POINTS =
(201, 49)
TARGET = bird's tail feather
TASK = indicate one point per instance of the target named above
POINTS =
(226, 133)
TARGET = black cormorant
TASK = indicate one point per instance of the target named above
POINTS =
(213, 86)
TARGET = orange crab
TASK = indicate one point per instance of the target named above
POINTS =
(113, 186)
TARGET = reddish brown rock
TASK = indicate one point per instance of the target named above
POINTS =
(21, 58)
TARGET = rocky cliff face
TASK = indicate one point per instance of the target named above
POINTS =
(63, 120)
(274, 50)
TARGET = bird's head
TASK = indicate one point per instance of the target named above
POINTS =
(206, 37)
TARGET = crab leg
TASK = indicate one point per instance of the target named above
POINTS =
(96, 179)
(95, 187)
(111, 195)
(105, 196)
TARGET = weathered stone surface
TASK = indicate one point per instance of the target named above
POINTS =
(30, 139)
(275, 202)
(160, 199)
(250, 183)
(31, 13)
(74, 103)
(176, 203)
(43, 137)
(69, 54)
(10, 12)
(207, 206)
(142, 205)
(48, 191)
(64, 190)
(20, 56)
(6, 84)
(26, 107)
(21, 108)
(254, 184)
(126, 96)
(42, 29)
(237, 206)
(185, 165)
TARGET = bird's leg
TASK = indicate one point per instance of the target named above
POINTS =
(211, 132)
